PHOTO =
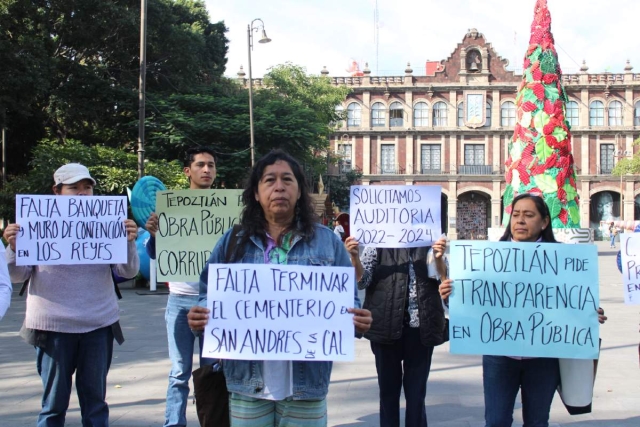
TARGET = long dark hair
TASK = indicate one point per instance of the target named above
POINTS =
(547, 234)
(252, 219)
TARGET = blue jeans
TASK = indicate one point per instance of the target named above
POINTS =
(613, 240)
(181, 341)
(503, 377)
(403, 364)
(89, 356)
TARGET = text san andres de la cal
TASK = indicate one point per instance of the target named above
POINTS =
(523, 299)
(279, 312)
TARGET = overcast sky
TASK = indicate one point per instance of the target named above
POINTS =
(332, 33)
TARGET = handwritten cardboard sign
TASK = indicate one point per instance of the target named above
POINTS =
(524, 299)
(395, 216)
(190, 222)
(279, 312)
(630, 251)
(56, 230)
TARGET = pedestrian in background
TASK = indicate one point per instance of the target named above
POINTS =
(5, 283)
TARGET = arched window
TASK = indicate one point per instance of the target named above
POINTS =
(487, 123)
(396, 114)
(354, 114)
(573, 114)
(421, 114)
(508, 114)
(439, 114)
(615, 113)
(378, 115)
(460, 113)
(596, 113)
(636, 114)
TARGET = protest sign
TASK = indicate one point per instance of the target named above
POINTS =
(524, 299)
(190, 223)
(279, 312)
(395, 216)
(630, 251)
(56, 230)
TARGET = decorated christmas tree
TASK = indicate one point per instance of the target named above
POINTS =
(540, 160)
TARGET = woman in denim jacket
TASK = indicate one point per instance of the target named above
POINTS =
(278, 227)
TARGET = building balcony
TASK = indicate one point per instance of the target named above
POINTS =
(475, 170)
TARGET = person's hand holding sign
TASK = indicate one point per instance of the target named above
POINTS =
(198, 317)
(152, 224)
(361, 319)
(132, 229)
(10, 234)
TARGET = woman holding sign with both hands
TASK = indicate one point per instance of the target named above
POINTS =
(503, 376)
(72, 317)
(278, 227)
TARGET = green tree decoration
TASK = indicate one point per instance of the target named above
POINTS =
(540, 160)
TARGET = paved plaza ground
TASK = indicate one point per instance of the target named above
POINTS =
(138, 377)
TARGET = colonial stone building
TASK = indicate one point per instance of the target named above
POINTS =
(451, 128)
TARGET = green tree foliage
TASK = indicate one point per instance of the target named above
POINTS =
(340, 188)
(113, 169)
(628, 166)
(70, 68)
(292, 111)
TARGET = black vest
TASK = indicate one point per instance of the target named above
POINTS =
(387, 296)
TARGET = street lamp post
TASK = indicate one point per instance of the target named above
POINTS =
(263, 39)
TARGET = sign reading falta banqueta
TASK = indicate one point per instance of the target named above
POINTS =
(56, 230)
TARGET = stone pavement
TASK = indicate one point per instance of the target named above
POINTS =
(138, 377)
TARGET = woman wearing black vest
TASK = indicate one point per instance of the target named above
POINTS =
(408, 321)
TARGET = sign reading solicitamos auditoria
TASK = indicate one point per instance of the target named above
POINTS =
(279, 312)
(395, 216)
(56, 230)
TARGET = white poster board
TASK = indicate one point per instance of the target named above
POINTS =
(395, 216)
(279, 312)
(630, 251)
(57, 230)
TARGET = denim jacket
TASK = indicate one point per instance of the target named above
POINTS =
(310, 379)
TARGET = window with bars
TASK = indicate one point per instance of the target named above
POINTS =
(354, 114)
(388, 158)
(378, 115)
(573, 113)
(440, 114)
(607, 161)
(344, 151)
(615, 113)
(508, 114)
(430, 159)
(596, 113)
(421, 114)
(396, 114)
(636, 114)
(474, 154)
